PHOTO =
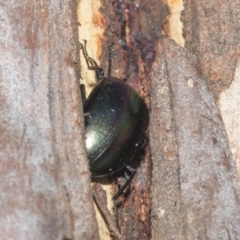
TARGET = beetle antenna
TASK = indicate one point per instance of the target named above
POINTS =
(91, 63)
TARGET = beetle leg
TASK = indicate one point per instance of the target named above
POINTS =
(92, 65)
(144, 143)
(83, 93)
(126, 184)
(130, 169)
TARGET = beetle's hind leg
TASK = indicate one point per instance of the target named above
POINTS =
(127, 183)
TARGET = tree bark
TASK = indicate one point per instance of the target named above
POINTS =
(211, 31)
(45, 183)
(126, 33)
(195, 192)
(186, 194)
(187, 185)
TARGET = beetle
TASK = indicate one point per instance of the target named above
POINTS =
(115, 124)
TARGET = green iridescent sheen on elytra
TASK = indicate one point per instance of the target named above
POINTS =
(115, 126)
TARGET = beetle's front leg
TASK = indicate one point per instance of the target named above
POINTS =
(91, 63)
(83, 93)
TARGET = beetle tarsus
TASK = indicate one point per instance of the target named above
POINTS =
(91, 63)
(126, 184)
(144, 143)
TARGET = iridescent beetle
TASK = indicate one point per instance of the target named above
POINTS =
(116, 120)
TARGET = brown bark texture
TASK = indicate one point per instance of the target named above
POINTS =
(195, 192)
(130, 31)
(45, 184)
(211, 31)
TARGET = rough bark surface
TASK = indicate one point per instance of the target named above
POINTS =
(130, 31)
(195, 193)
(45, 184)
(211, 30)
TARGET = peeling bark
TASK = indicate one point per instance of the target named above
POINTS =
(132, 29)
(45, 183)
(211, 30)
(195, 193)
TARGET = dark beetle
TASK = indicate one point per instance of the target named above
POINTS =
(116, 121)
